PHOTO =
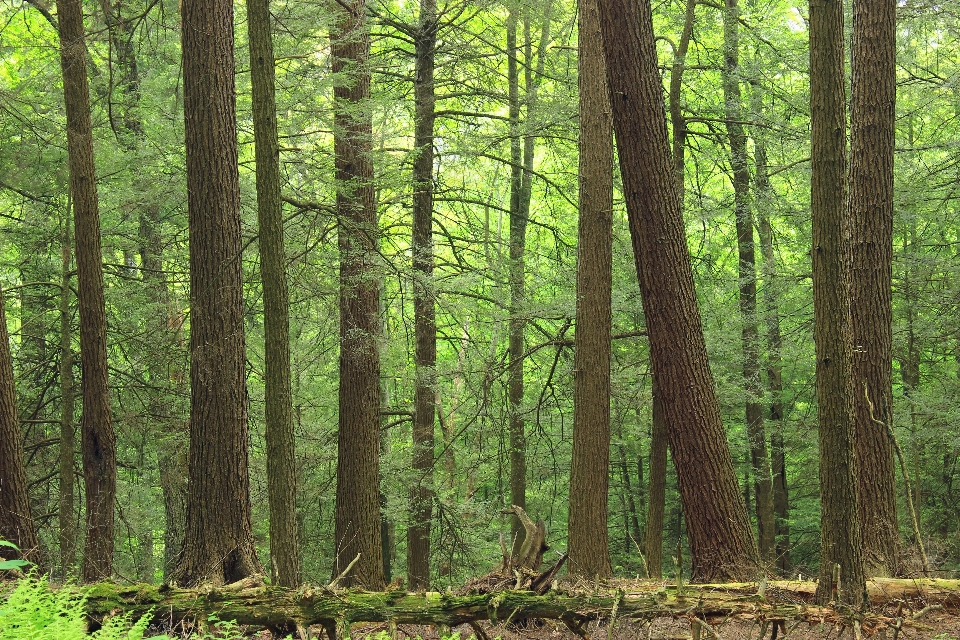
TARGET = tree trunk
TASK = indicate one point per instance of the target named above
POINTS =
(590, 461)
(357, 527)
(518, 232)
(781, 502)
(747, 281)
(16, 521)
(839, 522)
(68, 432)
(278, 423)
(98, 439)
(424, 300)
(717, 521)
(872, 125)
(218, 540)
(656, 503)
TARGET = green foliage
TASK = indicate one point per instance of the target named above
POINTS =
(6, 565)
(33, 609)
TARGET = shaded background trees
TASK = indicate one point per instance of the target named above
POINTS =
(149, 319)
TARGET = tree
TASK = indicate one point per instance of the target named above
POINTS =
(98, 441)
(218, 539)
(590, 460)
(839, 523)
(16, 521)
(424, 301)
(747, 280)
(357, 527)
(872, 126)
(717, 522)
(278, 427)
(68, 435)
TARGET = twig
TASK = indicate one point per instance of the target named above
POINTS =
(926, 610)
(336, 581)
(906, 481)
(477, 629)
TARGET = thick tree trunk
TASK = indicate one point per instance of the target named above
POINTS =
(98, 439)
(839, 522)
(218, 541)
(424, 300)
(16, 521)
(717, 522)
(872, 125)
(747, 281)
(357, 527)
(278, 423)
(590, 461)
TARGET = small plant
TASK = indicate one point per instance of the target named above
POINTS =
(6, 565)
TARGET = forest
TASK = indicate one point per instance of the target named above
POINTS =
(345, 290)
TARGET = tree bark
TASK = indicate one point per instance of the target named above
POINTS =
(68, 433)
(518, 234)
(278, 423)
(588, 545)
(839, 522)
(16, 521)
(424, 301)
(771, 310)
(357, 526)
(872, 128)
(98, 440)
(218, 541)
(656, 503)
(747, 281)
(717, 522)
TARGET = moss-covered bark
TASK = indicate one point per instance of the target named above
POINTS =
(278, 607)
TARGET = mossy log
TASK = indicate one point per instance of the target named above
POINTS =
(255, 604)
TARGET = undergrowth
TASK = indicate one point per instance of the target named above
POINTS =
(33, 610)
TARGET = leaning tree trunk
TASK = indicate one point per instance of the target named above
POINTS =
(590, 461)
(747, 281)
(424, 302)
(98, 442)
(218, 542)
(840, 544)
(16, 521)
(357, 526)
(717, 522)
(278, 422)
(872, 125)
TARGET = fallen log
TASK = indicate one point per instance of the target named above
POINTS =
(250, 603)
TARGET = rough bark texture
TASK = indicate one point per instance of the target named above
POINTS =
(218, 540)
(424, 300)
(872, 124)
(656, 502)
(590, 462)
(717, 522)
(771, 311)
(678, 122)
(67, 517)
(98, 441)
(278, 423)
(357, 527)
(16, 521)
(747, 272)
(839, 522)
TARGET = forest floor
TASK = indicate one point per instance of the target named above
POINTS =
(922, 609)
